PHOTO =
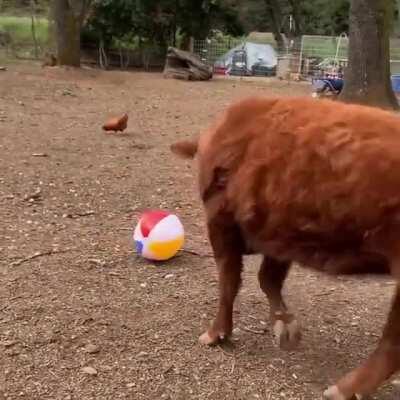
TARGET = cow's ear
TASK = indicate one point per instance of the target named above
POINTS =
(185, 148)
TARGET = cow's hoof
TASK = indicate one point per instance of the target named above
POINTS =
(333, 393)
(210, 338)
(287, 335)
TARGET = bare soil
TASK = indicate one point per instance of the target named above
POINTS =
(73, 294)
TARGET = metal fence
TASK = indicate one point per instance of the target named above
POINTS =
(313, 55)
(22, 37)
(210, 50)
(308, 57)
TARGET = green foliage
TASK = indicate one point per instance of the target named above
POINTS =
(324, 17)
(110, 19)
(23, 7)
(20, 29)
(197, 18)
(158, 21)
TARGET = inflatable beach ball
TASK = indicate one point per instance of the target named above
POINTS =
(158, 235)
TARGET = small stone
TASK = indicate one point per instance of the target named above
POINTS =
(337, 340)
(92, 348)
(39, 155)
(97, 262)
(169, 276)
(9, 343)
(142, 354)
(236, 331)
(389, 283)
(130, 385)
(12, 353)
(34, 196)
(89, 371)
(143, 285)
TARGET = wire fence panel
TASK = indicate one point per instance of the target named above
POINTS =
(312, 56)
(325, 46)
(22, 36)
(210, 50)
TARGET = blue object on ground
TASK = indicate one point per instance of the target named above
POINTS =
(329, 84)
(396, 82)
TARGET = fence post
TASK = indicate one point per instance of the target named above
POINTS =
(33, 28)
(191, 44)
(301, 55)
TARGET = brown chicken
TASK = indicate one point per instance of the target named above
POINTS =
(116, 124)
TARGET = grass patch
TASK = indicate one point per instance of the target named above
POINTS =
(20, 29)
(326, 47)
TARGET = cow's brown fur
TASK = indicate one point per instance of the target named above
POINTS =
(311, 181)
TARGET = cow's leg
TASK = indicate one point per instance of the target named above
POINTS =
(272, 275)
(379, 366)
(227, 246)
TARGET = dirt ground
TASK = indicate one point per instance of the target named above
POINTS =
(73, 294)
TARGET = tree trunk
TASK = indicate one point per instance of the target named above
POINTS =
(297, 17)
(367, 78)
(275, 15)
(185, 42)
(51, 30)
(68, 33)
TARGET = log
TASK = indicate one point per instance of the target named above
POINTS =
(184, 65)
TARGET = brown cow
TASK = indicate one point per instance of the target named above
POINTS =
(310, 181)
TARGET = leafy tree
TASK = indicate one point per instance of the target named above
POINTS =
(111, 19)
(160, 21)
(197, 18)
(323, 17)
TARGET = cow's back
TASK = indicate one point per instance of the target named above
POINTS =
(306, 165)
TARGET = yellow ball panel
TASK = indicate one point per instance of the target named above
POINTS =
(165, 250)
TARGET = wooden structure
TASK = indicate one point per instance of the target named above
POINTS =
(184, 65)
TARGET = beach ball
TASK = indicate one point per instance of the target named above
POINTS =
(158, 235)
